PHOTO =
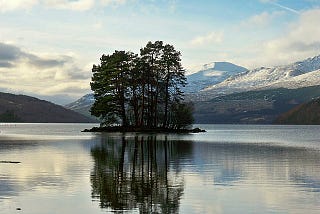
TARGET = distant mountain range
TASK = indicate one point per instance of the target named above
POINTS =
(227, 93)
(296, 75)
(222, 93)
(21, 108)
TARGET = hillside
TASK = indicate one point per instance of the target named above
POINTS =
(21, 108)
(253, 107)
(304, 114)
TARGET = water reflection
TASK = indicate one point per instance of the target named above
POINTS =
(151, 174)
(252, 178)
(39, 167)
(139, 173)
(230, 163)
(214, 172)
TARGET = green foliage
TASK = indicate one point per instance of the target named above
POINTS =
(305, 114)
(110, 86)
(140, 91)
(253, 107)
(9, 116)
(182, 115)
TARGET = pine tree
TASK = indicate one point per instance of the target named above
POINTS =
(143, 91)
(110, 83)
(174, 79)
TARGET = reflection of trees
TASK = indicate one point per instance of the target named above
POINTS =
(140, 173)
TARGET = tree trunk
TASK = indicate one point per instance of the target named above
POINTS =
(142, 106)
(166, 102)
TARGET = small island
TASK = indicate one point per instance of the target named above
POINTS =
(141, 93)
(143, 130)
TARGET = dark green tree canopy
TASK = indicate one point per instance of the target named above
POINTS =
(141, 91)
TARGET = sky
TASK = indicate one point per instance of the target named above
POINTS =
(48, 47)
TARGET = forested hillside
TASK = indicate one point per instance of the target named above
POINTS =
(21, 108)
(305, 114)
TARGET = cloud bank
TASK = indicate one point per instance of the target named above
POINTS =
(75, 5)
(25, 72)
(261, 33)
(212, 37)
(299, 41)
(261, 20)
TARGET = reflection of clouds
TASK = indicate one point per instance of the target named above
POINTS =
(44, 166)
(11, 145)
(239, 160)
(306, 182)
(7, 187)
(20, 135)
(55, 73)
(202, 177)
(254, 177)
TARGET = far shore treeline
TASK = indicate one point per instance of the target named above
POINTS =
(141, 91)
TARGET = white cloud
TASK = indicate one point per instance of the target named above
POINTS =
(301, 40)
(261, 20)
(112, 2)
(73, 88)
(212, 37)
(41, 74)
(172, 5)
(78, 5)
(10, 5)
(98, 25)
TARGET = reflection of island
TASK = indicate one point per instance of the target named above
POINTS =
(139, 174)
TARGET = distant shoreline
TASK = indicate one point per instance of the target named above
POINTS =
(143, 130)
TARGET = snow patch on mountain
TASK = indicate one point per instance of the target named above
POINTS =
(297, 75)
(85, 101)
(221, 78)
(212, 73)
(304, 80)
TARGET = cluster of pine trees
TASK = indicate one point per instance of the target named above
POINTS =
(141, 90)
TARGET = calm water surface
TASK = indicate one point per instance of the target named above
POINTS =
(54, 168)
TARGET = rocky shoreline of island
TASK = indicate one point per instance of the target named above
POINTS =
(143, 130)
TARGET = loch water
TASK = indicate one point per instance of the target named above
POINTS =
(56, 168)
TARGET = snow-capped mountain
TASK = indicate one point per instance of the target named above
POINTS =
(225, 78)
(297, 75)
(211, 74)
(82, 105)
(85, 101)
